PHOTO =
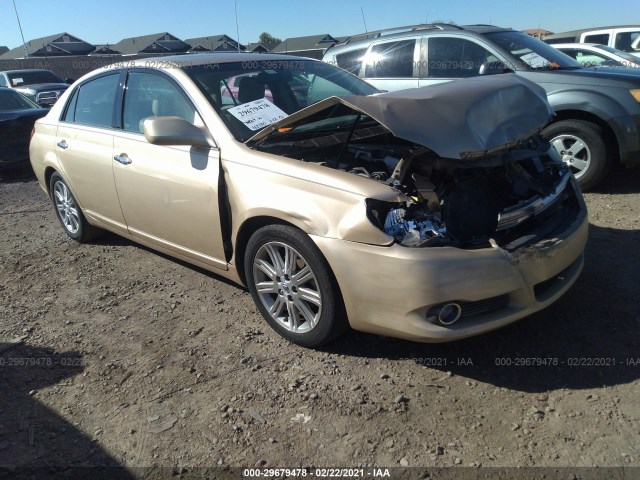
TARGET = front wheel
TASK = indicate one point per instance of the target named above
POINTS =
(71, 217)
(581, 147)
(292, 285)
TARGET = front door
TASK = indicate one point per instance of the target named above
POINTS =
(168, 194)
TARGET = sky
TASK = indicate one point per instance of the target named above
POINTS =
(109, 21)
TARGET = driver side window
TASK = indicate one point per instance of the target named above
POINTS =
(456, 58)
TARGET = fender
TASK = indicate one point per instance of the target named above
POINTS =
(609, 111)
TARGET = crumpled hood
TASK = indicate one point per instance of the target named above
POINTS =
(459, 119)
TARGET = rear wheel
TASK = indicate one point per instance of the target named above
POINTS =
(581, 147)
(71, 217)
(292, 285)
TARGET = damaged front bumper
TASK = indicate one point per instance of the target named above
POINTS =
(391, 290)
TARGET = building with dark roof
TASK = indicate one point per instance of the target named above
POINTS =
(312, 46)
(260, 47)
(155, 44)
(213, 43)
(104, 50)
(58, 45)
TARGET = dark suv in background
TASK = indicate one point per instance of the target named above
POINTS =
(597, 117)
(40, 86)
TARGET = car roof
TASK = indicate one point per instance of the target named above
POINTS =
(182, 61)
(487, 28)
(366, 38)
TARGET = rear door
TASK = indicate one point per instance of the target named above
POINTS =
(393, 64)
(627, 40)
(84, 147)
(168, 194)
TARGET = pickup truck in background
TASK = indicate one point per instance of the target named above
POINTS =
(621, 37)
(41, 86)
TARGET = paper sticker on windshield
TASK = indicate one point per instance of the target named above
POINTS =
(534, 60)
(257, 114)
(17, 81)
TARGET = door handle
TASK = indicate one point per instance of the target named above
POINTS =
(63, 144)
(123, 159)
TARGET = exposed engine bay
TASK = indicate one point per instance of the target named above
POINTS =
(502, 198)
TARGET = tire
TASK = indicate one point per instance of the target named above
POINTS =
(69, 213)
(293, 286)
(581, 147)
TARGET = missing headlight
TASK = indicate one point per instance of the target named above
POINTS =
(410, 224)
(414, 228)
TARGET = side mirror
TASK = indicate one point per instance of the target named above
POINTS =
(492, 68)
(69, 81)
(174, 131)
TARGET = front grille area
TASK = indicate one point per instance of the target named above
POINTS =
(482, 307)
(48, 98)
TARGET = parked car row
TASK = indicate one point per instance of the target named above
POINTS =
(430, 214)
(426, 214)
(597, 119)
(621, 37)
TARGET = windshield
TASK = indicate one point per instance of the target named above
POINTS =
(532, 53)
(32, 77)
(251, 95)
(10, 100)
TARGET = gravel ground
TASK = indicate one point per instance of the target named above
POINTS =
(131, 358)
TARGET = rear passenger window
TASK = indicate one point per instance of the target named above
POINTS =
(601, 38)
(352, 61)
(456, 58)
(391, 60)
(93, 102)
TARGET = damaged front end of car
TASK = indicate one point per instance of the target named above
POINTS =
(465, 160)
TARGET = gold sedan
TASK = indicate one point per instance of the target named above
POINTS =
(430, 214)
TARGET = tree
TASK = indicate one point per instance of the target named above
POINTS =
(267, 38)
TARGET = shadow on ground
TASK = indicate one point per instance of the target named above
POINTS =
(599, 318)
(35, 441)
(620, 180)
(21, 174)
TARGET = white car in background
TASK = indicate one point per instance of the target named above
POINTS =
(594, 55)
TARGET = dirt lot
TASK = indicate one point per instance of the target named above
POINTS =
(131, 358)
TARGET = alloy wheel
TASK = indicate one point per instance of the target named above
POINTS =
(66, 207)
(574, 152)
(287, 287)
